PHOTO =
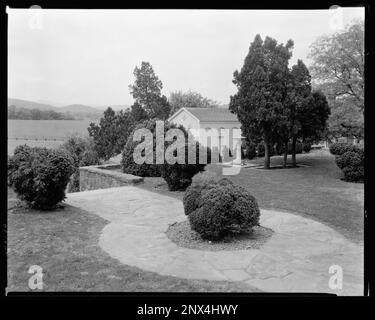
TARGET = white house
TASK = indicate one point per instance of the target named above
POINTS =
(204, 123)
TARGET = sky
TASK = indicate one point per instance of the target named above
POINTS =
(88, 56)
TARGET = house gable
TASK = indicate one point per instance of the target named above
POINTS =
(185, 118)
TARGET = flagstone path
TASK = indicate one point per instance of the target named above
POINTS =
(297, 258)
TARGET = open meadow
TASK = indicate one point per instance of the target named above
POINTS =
(43, 133)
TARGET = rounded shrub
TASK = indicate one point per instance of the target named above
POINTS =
(200, 181)
(352, 165)
(128, 163)
(216, 209)
(40, 175)
(177, 175)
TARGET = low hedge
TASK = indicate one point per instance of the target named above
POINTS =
(216, 209)
(40, 175)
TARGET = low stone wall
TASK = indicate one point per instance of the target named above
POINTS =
(101, 177)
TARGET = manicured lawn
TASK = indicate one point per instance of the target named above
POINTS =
(316, 191)
(65, 244)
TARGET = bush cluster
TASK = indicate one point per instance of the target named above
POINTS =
(340, 148)
(178, 176)
(279, 148)
(127, 161)
(218, 208)
(352, 164)
(84, 152)
(40, 175)
(306, 147)
(249, 149)
(261, 151)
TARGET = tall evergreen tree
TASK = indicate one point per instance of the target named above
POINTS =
(262, 87)
(146, 91)
(299, 89)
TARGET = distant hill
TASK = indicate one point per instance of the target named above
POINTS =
(25, 104)
(79, 108)
(71, 108)
(78, 111)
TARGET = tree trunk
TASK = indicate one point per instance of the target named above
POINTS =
(294, 142)
(266, 154)
(285, 154)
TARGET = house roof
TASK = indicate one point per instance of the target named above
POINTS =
(210, 114)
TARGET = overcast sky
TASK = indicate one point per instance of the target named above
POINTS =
(88, 56)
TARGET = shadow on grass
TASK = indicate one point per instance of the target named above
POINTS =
(65, 244)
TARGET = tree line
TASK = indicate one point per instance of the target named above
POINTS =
(15, 113)
(111, 133)
(276, 104)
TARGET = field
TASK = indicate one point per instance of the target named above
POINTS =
(43, 133)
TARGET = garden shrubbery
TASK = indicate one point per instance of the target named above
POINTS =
(84, 152)
(352, 165)
(178, 175)
(260, 150)
(306, 147)
(40, 175)
(218, 208)
(249, 149)
(127, 162)
(350, 159)
(340, 148)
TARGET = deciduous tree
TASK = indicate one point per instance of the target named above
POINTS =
(338, 63)
(190, 99)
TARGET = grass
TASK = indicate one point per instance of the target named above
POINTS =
(315, 191)
(65, 244)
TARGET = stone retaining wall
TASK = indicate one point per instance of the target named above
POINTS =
(100, 177)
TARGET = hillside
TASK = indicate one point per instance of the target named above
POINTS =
(25, 104)
(79, 108)
(76, 110)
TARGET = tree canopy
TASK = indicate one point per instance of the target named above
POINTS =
(338, 70)
(190, 99)
(36, 114)
(146, 92)
(262, 87)
(276, 104)
(338, 63)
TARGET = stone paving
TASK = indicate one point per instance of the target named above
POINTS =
(296, 258)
